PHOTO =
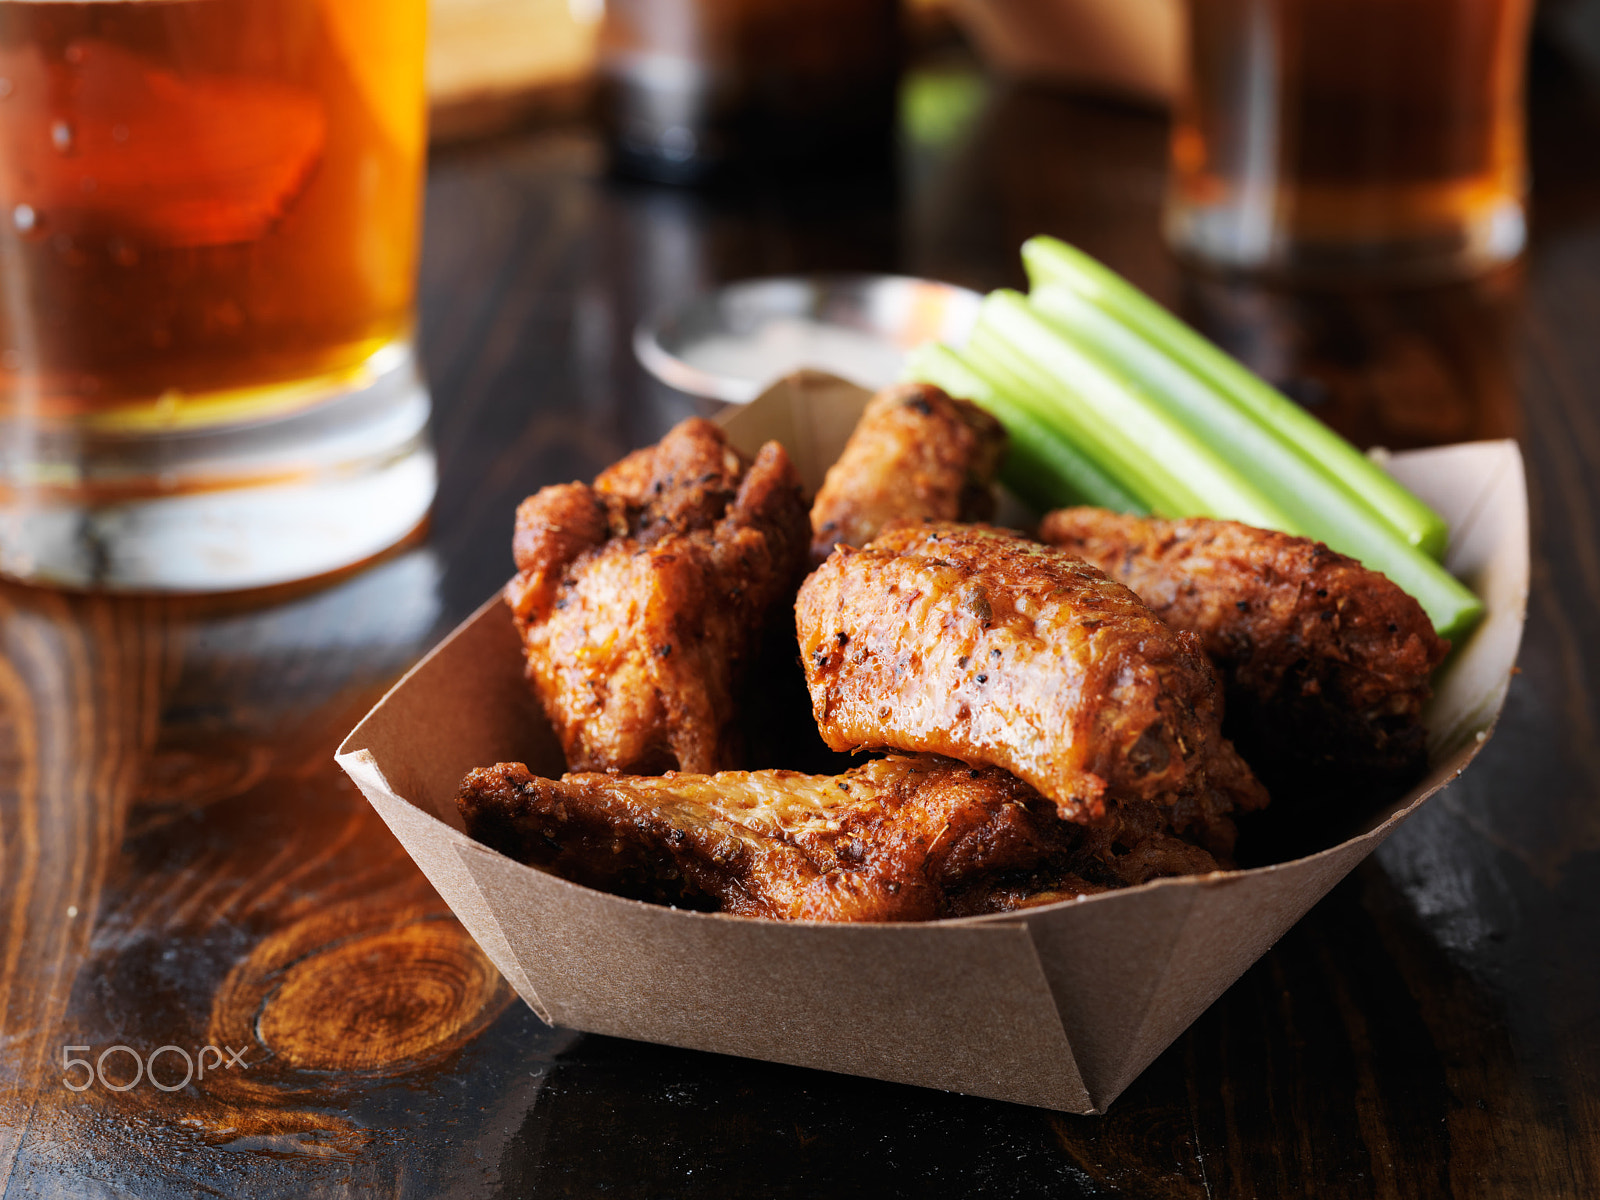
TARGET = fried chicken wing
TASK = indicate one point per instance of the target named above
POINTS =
(642, 599)
(909, 837)
(979, 644)
(916, 453)
(1326, 663)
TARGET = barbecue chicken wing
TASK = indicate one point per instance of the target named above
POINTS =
(642, 599)
(979, 644)
(898, 839)
(1326, 663)
(916, 453)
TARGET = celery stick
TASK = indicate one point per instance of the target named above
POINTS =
(1108, 445)
(1153, 491)
(1112, 419)
(1050, 261)
(1041, 466)
(1318, 506)
(997, 385)
(1452, 608)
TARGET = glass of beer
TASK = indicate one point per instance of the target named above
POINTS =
(1351, 139)
(208, 243)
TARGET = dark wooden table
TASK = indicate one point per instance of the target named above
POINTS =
(181, 864)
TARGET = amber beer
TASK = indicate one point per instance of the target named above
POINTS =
(208, 229)
(1351, 137)
(202, 196)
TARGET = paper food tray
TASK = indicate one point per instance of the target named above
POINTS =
(1060, 1006)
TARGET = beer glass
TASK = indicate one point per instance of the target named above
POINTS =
(208, 242)
(1351, 139)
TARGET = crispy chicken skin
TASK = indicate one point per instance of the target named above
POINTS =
(979, 644)
(909, 837)
(1326, 663)
(641, 600)
(916, 453)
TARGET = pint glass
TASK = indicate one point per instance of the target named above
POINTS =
(208, 242)
(1351, 139)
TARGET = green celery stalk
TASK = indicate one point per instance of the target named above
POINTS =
(1152, 491)
(1050, 261)
(1154, 487)
(1041, 466)
(1111, 418)
(1318, 506)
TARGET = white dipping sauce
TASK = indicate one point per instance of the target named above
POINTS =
(786, 344)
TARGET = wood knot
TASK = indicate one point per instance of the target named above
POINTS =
(378, 999)
(329, 995)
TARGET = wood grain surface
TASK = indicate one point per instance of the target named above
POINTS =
(182, 865)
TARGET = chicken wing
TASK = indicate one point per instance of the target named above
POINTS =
(1326, 663)
(642, 599)
(909, 837)
(979, 644)
(916, 453)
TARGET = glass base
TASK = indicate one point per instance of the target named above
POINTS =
(1239, 238)
(221, 508)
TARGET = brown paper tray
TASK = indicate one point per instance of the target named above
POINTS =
(1060, 1007)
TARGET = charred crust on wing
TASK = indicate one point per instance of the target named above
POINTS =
(680, 523)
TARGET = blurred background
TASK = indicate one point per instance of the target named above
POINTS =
(1009, 118)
